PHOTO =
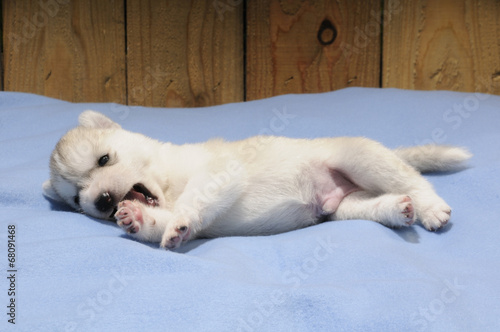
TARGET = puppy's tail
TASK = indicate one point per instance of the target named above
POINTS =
(434, 158)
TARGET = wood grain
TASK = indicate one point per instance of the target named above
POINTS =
(443, 45)
(1, 49)
(191, 53)
(290, 48)
(72, 50)
(184, 53)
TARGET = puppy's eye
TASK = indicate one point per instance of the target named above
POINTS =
(76, 199)
(103, 160)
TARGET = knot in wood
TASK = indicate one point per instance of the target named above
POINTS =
(327, 33)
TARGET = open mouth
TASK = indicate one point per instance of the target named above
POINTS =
(140, 193)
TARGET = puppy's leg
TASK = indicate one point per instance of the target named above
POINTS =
(142, 222)
(392, 210)
(204, 198)
(379, 170)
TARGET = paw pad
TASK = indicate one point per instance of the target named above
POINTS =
(177, 236)
(407, 210)
(129, 217)
(436, 217)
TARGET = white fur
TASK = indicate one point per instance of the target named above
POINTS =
(261, 185)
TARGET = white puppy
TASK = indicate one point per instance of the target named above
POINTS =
(161, 192)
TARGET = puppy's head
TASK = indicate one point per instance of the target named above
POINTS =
(98, 164)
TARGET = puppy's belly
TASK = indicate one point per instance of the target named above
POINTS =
(331, 188)
(262, 220)
(283, 204)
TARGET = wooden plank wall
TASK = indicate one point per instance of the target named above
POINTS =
(198, 53)
(445, 44)
(68, 50)
(295, 47)
(1, 52)
(180, 53)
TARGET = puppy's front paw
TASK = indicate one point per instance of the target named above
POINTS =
(175, 235)
(129, 216)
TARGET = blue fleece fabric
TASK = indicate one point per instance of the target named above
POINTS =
(75, 273)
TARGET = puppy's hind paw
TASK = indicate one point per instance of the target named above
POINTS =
(436, 217)
(407, 211)
(396, 210)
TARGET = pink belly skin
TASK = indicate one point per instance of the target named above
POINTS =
(331, 187)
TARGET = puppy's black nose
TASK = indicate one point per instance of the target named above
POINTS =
(104, 202)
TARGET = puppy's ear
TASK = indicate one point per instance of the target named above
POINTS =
(93, 119)
(48, 191)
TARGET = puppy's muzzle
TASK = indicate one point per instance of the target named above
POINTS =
(104, 202)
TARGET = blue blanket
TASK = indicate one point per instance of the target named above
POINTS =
(69, 272)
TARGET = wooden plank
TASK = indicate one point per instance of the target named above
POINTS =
(1, 48)
(72, 50)
(184, 53)
(443, 45)
(292, 47)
